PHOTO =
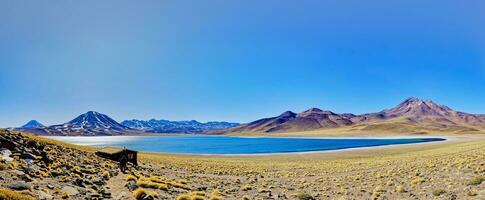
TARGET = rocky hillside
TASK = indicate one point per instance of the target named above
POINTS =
(412, 115)
(46, 171)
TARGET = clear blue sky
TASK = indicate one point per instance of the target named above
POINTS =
(235, 60)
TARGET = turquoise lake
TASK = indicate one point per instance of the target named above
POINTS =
(232, 145)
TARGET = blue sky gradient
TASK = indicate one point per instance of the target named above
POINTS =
(235, 60)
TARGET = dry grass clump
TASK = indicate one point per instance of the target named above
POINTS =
(153, 194)
(417, 181)
(157, 179)
(245, 197)
(139, 193)
(6, 194)
(146, 183)
(131, 178)
(246, 187)
(216, 195)
(400, 189)
(184, 197)
(178, 185)
(216, 198)
(472, 192)
(378, 191)
(477, 180)
(106, 175)
(76, 168)
(13, 165)
(143, 182)
(3, 166)
(438, 192)
(196, 195)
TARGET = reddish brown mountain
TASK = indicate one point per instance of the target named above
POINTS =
(419, 110)
(412, 115)
(310, 119)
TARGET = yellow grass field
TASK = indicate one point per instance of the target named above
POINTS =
(441, 170)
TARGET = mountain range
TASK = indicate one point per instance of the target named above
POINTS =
(166, 126)
(412, 115)
(93, 123)
(88, 124)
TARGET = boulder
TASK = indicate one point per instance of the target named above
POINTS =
(20, 185)
(131, 185)
(28, 156)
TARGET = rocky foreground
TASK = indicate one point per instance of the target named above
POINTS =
(37, 168)
(46, 171)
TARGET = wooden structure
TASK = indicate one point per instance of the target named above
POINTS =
(116, 154)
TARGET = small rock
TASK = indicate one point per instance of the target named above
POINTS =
(28, 156)
(19, 173)
(70, 190)
(107, 195)
(44, 196)
(121, 196)
(20, 185)
(99, 181)
(79, 182)
(131, 185)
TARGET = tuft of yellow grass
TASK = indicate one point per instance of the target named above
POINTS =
(438, 192)
(131, 178)
(477, 180)
(197, 197)
(6, 194)
(3, 166)
(400, 189)
(106, 175)
(139, 193)
(184, 197)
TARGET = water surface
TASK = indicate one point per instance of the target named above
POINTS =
(232, 145)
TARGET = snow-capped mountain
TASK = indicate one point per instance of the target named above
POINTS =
(93, 123)
(33, 124)
(94, 120)
(88, 124)
(166, 126)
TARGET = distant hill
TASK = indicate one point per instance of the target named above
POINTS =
(33, 124)
(412, 115)
(166, 126)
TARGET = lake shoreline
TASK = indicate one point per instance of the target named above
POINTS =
(329, 144)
